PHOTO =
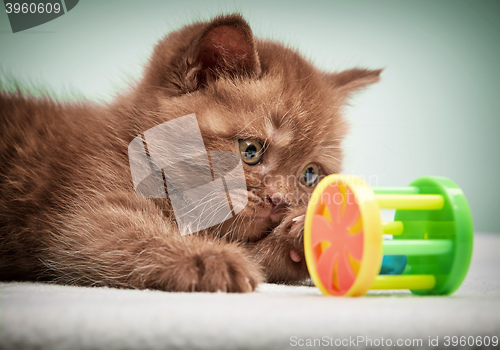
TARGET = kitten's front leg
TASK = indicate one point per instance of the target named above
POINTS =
(281, 253)
(128, 242)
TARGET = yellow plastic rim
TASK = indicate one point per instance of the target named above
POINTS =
(371, 261)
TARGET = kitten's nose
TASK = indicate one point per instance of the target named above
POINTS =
(278, 206)
(277, 201)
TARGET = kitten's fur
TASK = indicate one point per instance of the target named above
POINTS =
(68, 210)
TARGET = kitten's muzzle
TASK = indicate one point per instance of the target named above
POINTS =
(278, 207)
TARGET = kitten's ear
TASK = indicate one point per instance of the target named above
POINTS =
(352, 80)
(225, 47)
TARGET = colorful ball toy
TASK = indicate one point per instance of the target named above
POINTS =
(429, 249)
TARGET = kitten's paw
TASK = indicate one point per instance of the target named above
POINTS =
(214, 269)
(281, 254)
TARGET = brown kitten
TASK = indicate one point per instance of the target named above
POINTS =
(68, 209)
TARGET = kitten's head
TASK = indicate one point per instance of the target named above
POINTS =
(260, 100)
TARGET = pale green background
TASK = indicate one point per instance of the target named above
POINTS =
(436, 111)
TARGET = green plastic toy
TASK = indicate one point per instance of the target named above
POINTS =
(430, 249)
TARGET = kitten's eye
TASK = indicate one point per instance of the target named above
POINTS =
(309, 176)
(251, 151)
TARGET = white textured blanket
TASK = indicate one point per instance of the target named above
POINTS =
(36, 315)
